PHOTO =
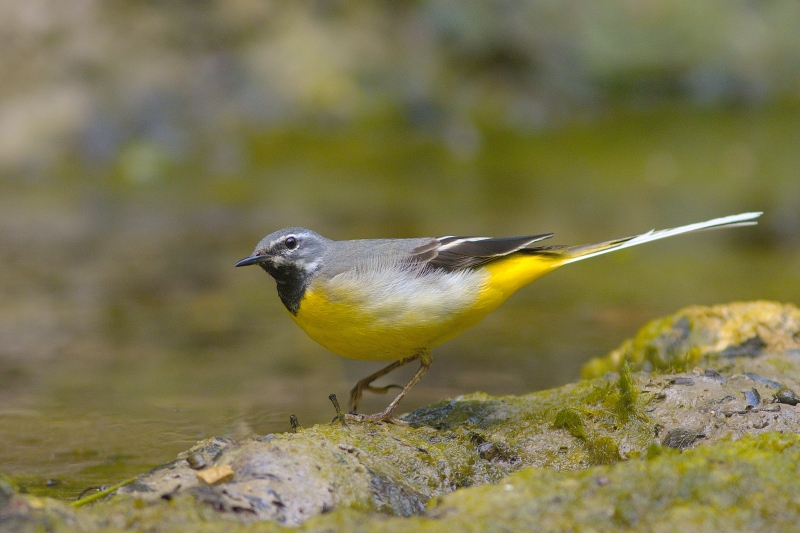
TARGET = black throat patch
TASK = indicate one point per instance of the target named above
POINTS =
(291, 281)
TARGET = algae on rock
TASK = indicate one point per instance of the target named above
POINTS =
(550, 460)
(722, 336)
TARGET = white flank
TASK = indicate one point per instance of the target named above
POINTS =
(387, 288)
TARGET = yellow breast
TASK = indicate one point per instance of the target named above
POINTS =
(344, 328)
(377, 317)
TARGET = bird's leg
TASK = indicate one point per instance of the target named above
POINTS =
(386, 415)
(365, 384)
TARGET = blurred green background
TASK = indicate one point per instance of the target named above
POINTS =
(145, 147)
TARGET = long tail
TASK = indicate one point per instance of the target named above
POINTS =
(577, 253)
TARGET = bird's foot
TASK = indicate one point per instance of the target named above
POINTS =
(363, 385)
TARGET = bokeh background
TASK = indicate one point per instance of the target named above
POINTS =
(145, 147)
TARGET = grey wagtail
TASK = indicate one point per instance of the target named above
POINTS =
(395, 299)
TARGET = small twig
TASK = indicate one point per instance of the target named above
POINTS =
(339, 414)
(102, 494)
(89, 489)
(294, 422)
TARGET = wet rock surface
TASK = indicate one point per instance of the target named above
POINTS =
(711, 391)
(740, 337)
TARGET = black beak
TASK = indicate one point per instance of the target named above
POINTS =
(252, 260)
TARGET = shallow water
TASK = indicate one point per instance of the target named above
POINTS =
(127, 335)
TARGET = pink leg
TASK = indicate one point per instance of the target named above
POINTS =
(386, 414)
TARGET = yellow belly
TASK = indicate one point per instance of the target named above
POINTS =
(341, 325)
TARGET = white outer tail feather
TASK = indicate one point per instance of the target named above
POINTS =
(743, 219)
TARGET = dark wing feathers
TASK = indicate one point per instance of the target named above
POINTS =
(426, 252)
(456, 253)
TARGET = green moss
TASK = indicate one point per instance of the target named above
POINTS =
(655, 450)
(745, 485)
(571, 419)
(604, 416)
(734, 485)
(704, 336)
(597, 367)
(603, 450)
(628, 394)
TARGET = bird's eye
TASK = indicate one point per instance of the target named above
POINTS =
(290, 242)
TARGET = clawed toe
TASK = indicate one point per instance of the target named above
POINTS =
(383, 390)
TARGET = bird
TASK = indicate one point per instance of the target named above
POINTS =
(395, 299)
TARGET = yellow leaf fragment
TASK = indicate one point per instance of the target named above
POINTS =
(216, 474)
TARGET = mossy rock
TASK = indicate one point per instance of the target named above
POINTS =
(712, 447)
(725, 337)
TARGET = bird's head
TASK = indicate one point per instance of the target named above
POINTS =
(288, 252)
